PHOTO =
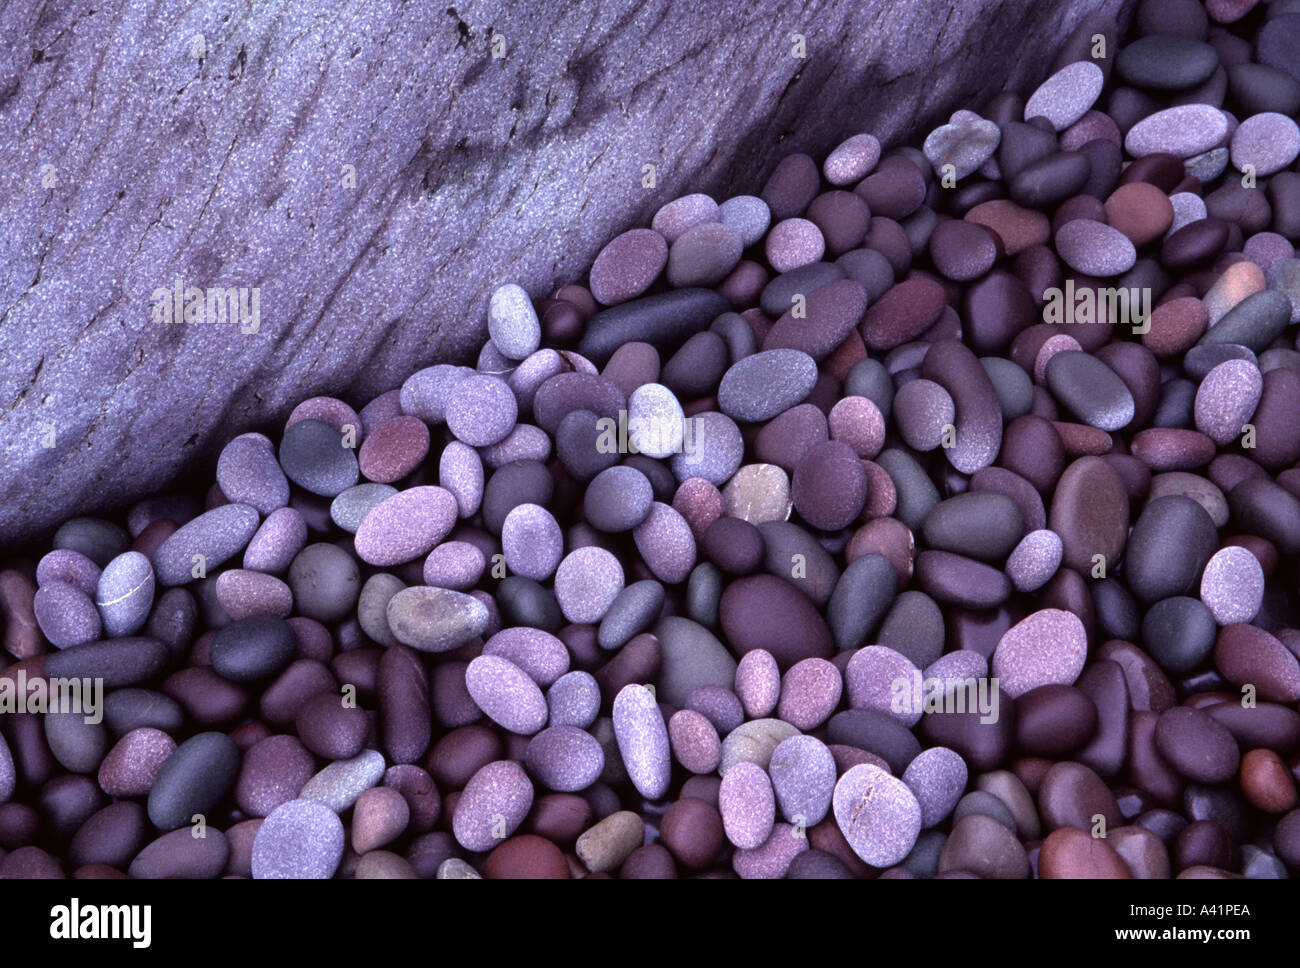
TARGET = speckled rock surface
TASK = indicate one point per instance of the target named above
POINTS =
(377, 209)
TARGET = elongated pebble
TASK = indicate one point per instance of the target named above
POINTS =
(665, 543)
(209, 541)
(852, 160)
(747, 805)
(1183, 131)
(340, 783)
(758, 683)
(460, 472)
(606, 844)
(194, 779)
(492, 806)
(512, 322)
(642, 740)
(761, 386)
(1067, 95)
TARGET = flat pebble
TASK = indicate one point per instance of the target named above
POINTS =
(878, 815)
(300, 839)
(313, 455)
(506, 694)
(1067, 95)
(1094, 248)
(215, 537)
(1183, 131)
(761, 386)
(1267, 142)
(435, 619)
(1048, 646)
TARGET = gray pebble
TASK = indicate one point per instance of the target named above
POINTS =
(512, 322)
(217, 536)
(763, 385)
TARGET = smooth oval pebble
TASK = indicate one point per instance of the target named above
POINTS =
(1232, 586)
(1049, 646)
(194, 780)
(214, 537)
(1034, 561)
(1166, 62)
(872, 676)
(618, 499)
(878, 815)
(313, 455)
(248, 473)
(564, 758)
(513, 326)
(937, 778)
(1226, 399)
(120, 662)
(506, 694)
(694, 741)
(587, 582)
(747, 805)
(1266, 142)
(642, 740)
(1196, 745)
(761, 386)
(299, 839)
(253, 648)
(810, 691)
(851, 160)
(1067, 95)
(1168, 547)
(1090, 514)
(394, 449)
(573, 700)
(435, 619)
(1183, 131)
(1094, 248)
(405, 526)
(66, 615)
(497, 798)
